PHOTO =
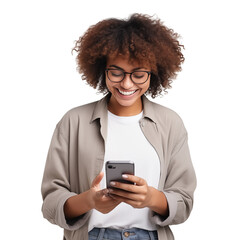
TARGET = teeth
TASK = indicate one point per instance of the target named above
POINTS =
(126, 93)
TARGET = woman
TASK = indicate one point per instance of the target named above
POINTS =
(126, 60)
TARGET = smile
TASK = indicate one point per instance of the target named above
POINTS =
(127, 93)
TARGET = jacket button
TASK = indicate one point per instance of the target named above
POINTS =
(126, 234)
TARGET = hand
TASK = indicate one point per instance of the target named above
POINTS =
(101, 200)
(138, 196)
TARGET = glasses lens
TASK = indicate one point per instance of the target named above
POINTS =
(139, 77)
(115, 75)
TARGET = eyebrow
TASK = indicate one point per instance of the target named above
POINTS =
(123, 69)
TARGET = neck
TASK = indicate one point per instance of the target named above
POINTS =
(119, 110)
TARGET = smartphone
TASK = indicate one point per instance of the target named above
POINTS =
(115, 170)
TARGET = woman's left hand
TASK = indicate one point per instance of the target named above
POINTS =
(138, 195)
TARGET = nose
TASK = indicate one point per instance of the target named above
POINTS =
(127, 83)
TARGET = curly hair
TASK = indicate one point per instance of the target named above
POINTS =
(141, 38)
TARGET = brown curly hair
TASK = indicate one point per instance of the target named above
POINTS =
(141, 38)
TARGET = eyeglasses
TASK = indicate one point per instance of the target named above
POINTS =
(117, 75)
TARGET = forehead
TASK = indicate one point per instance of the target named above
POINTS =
(125, 62)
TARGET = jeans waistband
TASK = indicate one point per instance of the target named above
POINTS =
(125, 234)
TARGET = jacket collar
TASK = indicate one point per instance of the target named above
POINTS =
(101, 109)
(148, 109)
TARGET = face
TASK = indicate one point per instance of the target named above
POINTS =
(126, 95)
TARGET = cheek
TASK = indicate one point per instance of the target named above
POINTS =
(109, 85)
(146, 86)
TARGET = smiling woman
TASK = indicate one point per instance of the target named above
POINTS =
(141, 39)
(126, 60)
(125, 93)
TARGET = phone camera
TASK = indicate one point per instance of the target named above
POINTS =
(111, 167)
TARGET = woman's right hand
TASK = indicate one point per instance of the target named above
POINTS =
(101, 201)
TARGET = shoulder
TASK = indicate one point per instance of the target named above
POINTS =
(165, 113)
(169, 123)
(83, 110)
(160, 113)
(76, 115)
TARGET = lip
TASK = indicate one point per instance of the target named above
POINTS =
(126, 96)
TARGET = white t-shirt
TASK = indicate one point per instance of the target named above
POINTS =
(126, 141)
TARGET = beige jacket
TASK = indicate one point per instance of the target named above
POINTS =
(76, 156)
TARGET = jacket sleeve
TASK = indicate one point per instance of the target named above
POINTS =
(180, 181)
(55, 184)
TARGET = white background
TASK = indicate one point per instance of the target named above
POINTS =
(39, 83)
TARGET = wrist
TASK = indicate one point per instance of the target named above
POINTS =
(90, 199)
(78, 205)
(158, 202)
(152, 197)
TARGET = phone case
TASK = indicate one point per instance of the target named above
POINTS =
(115, 170)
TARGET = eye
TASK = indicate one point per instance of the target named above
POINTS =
(116, 73)
(138, 74)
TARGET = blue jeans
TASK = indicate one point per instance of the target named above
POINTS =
(125, 234)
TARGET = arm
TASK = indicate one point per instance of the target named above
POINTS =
(55, 184)
(91, 199)
(174, 203)
(159, 202)
(180, 184)
(78, 205)
(60, 204)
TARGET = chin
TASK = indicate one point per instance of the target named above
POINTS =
(126, 103)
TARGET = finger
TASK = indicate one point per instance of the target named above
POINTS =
(125, 186)
(139, 181)
(133, 203)
(97, 179)
(126, 195)
(103, 194)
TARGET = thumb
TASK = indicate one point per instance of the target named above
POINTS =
(97, 179)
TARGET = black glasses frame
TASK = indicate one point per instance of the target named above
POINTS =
(124, 74)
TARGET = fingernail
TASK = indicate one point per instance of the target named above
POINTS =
(106, 192)
(125, 176)
(112, 183)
